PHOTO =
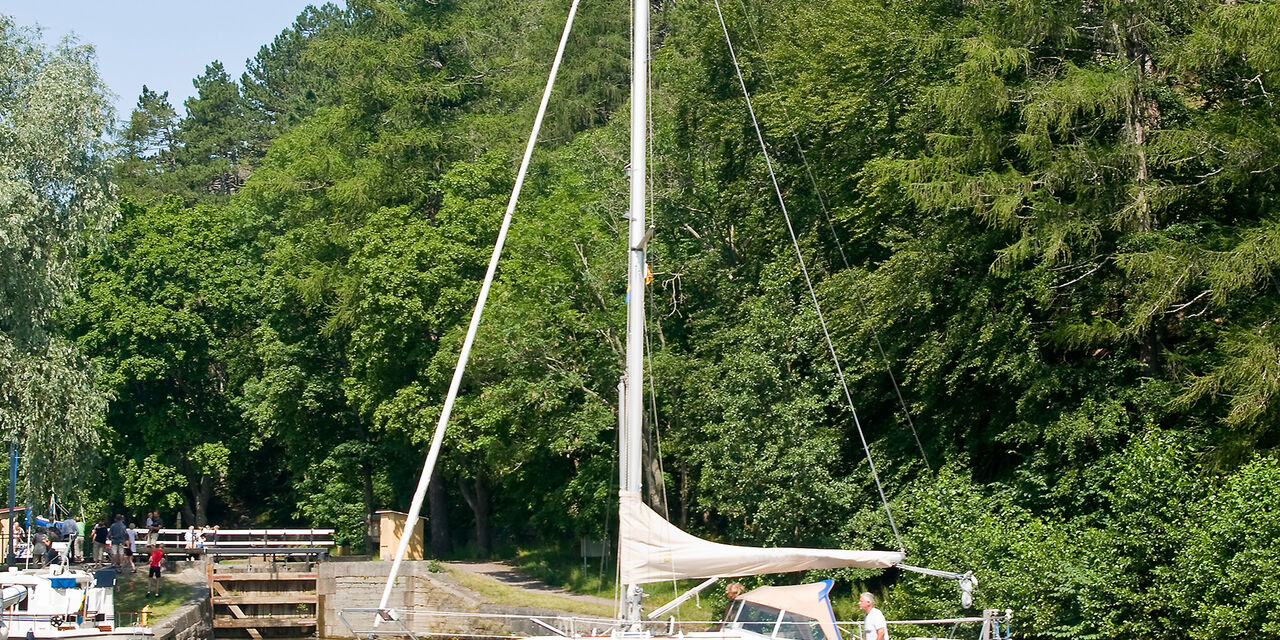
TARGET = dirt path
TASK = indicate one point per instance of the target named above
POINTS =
(507, 574)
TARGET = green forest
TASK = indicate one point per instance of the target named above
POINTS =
(1045, 236)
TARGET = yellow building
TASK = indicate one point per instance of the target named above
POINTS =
(391, 529)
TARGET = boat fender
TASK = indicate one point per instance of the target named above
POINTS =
(12, 595)
(967, 583)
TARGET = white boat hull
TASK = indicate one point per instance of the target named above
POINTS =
(59, 603)
(123, 633)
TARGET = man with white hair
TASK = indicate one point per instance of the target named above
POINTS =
(874, 626)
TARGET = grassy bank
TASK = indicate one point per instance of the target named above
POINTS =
(565, 568)
(131, 590)
(500, 593)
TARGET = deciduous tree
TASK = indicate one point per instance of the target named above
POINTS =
(57, 203)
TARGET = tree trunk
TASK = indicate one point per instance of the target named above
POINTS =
(438, 507)
(1143, 114)
(366, 476)
(196, 509)
(476, 493)
(684, 497)
(655, 490)
(202, 502)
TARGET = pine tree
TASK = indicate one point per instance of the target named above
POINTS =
(284, 83)
(1107, 148)
(214, 136)
(147, 147)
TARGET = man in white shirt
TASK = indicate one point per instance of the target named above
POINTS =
(874, 626)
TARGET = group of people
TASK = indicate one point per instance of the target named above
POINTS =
(205, 536)
(117, 543)
(42, 538)
(114, 543)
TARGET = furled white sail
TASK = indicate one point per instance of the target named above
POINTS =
(654, 550)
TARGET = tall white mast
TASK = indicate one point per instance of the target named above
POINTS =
(630, 444)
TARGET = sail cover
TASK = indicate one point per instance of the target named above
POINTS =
(654, 550)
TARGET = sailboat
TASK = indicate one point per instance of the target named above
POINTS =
(651, 549)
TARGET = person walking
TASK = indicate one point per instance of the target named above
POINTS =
(132, 548)
(874, 626)
(40, 549)
(153, 570)
(119, 534)
(99, 542)
(70, 533)
(50, 554)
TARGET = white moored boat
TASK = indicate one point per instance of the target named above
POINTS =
(58, 602)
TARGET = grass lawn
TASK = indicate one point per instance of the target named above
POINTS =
(564, 568)
(131, 590)
(500, 593)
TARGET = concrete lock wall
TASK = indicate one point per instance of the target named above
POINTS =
(192, 621)
(358, 585)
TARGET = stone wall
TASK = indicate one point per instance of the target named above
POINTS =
(192, 621)
(358, 585)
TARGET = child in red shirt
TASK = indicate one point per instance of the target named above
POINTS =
(153, 576)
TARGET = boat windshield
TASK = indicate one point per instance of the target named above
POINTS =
(775, 623)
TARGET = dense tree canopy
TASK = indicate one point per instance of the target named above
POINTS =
(1044, 236)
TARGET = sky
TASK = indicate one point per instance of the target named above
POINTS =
(162, 44)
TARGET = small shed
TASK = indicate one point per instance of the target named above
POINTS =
(391, 529)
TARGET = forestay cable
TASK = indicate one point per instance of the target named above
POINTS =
(415, 509)
(808, 281)
(826, 214)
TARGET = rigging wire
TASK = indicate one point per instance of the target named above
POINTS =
(619, 606)
(437, 439)
(655, 432)
(822, 204)
(795, 243)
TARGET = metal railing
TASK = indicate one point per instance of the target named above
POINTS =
(372, 623)
(996, 625)
(375, 623)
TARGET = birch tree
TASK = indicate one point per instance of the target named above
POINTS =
(56, 200)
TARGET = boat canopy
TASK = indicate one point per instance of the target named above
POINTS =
(795, 612)
(654, 550)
